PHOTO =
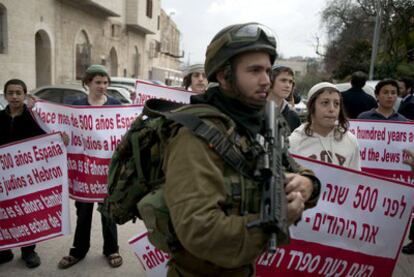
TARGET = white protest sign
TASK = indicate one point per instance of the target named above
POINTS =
(147, 91)
(349, 231)
(381, 144)
(34, 201)
(347, 234)
(153, 261)
(94, 133)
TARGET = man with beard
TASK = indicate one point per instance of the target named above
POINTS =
(211, 203)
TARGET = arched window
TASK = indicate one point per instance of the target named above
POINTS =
(149, 8)
(3, 29)
(83, 54)
(43, 58)
(137, 63)
(113, 62)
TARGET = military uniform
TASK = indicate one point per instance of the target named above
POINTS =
(210, 205)
(209, 202)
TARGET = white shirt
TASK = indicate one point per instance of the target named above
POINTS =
(344, 152)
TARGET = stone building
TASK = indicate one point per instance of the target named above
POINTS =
(166, 62)
(298, 65)
(54, 41)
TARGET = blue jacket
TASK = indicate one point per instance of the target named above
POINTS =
(109, 102)
(374, 115)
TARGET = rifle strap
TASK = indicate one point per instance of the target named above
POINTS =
(215, 139)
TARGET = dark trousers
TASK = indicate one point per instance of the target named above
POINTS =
(5, 254)
(411, 234)
(28, 249)
(81, 242)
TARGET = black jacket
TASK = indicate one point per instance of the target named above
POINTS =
(291, 117)
(407, 107)
(357, 101)
(20, 127)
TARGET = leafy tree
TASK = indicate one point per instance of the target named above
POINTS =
(350, 25)
(313, 76)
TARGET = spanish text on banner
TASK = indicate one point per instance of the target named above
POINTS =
(33, 191)
(153, 260)
(94, 132)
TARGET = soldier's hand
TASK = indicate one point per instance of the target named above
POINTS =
(296, 205)
(410, 160)
(299, 183)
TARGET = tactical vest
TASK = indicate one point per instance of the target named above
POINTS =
(243, 194)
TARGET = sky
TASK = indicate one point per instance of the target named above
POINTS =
(296, 23)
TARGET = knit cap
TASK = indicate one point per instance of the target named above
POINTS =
(97, 69)
(199, 67)
(319, 86)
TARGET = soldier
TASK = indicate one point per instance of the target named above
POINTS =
(209, 202)
(195, 79)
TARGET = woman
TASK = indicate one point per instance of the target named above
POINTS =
(96, 81)
(325, 135)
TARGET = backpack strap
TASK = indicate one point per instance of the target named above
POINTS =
(215, 139)
(226, 149)
(158, 107)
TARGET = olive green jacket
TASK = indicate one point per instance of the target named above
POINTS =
(215, 241)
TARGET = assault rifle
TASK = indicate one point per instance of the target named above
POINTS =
(270, 173)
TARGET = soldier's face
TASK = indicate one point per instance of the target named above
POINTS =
(252, 78)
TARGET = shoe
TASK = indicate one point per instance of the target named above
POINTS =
(31, 259)
(6, 256)
(114, 260)
(409, 248)
(67, 262)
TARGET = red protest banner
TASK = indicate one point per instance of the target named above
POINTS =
(348, 233)
(33, 191)
(381, 144)
(94, 133)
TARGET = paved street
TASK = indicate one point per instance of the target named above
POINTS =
(405, 266)
(95, 265)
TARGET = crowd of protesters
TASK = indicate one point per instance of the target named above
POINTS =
(324, 135)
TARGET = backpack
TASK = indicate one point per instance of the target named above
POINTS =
(136, 178)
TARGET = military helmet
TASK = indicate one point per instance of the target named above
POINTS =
(237, 39)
